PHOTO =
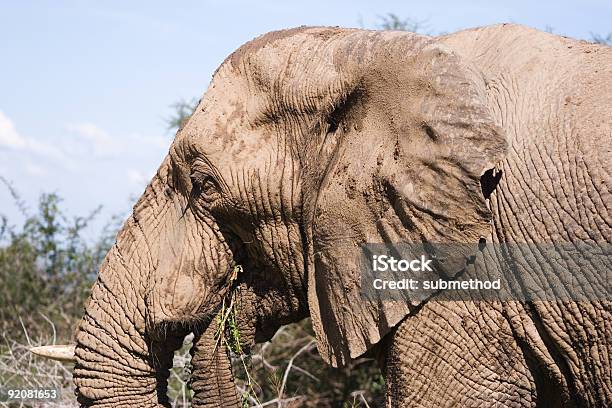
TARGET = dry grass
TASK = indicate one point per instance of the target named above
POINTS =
(20, 369)
(286, 372)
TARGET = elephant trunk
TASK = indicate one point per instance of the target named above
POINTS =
(212, 379)
(117, 363)
(166, 272)
(122, 358)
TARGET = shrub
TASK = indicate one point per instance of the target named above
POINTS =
(47, 267)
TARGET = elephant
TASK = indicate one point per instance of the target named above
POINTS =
(312, 141)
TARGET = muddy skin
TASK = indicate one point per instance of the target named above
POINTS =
(212, 379)
(311, 141)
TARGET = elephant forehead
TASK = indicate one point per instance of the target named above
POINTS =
(312, 47)
(274, 50)
(295, 76)
(283, 85)
(224, 134)
(301, 71)
(264, 90)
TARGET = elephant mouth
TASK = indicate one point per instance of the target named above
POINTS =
(170, 329)
(194, 317)
(192, 294)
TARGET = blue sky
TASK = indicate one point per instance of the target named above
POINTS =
(86, 85)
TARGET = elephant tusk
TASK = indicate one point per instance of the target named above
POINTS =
(60, 353)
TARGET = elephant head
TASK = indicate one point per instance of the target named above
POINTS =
(308, 143)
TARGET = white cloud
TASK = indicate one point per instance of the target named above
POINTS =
(102, 144)
(11, 139)
(8, 134)
(83, 150)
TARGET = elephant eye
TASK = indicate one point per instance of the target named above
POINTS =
(204, 187)
(332, 126)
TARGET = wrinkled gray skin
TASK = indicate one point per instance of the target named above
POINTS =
(311, 141)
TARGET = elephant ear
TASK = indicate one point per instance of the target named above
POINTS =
(409, 171)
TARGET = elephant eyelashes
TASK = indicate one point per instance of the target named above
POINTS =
(332, 126)
(430, 132)
(204, 187)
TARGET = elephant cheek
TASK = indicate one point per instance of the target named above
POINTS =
(185, 295)
(176, 299)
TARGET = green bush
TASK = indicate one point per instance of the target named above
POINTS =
(47, 267)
